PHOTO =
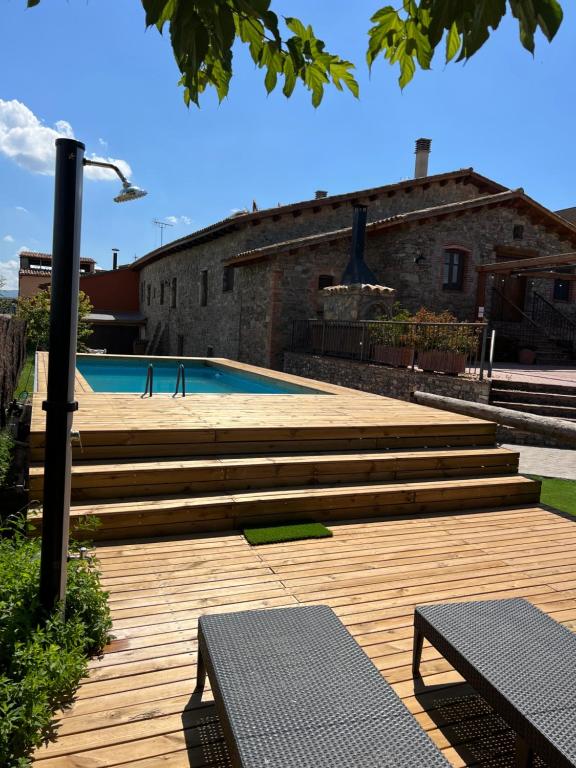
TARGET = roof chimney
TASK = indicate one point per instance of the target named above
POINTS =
(357, 271)
(320, 194)
(422, 154)
(114, 258)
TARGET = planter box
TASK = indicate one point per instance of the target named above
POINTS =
(442, 362)
(399, 357)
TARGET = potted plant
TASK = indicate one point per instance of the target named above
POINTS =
(443, 346)
(393, 340)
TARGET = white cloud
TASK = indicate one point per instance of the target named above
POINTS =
(21, 209)
(7, 239)
(175, 220)
(103, 143)
(9, 274)
(30, 144)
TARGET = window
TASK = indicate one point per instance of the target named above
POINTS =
(148, 293)
(204, 288)
(453, 274)
(561, 290)
(325, 281)
(518, 232)
(174, 292)
(228, 279)
(142, 290)
(162, 292)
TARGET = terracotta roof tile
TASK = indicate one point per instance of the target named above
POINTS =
(230, 223)
(511, 196)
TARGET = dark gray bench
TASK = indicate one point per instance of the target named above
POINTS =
(293, 689)
(520, 660)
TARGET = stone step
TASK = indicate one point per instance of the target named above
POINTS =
(559, 399)
(162, 477)
(559, 412)
(145, 517)
(534, 386)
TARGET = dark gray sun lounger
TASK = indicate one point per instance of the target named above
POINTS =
(520, 660)
(293, 689)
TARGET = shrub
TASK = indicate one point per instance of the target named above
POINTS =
(41, 663)
(444, 338)
(36, 312)
(395, 332)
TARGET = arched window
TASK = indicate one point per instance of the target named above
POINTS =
(453, 269)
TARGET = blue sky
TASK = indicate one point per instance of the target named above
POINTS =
(89, 67)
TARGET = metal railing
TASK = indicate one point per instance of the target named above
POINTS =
(442, 347)
(558, 326)
(536, 330)
(180, 377)
(149, 387)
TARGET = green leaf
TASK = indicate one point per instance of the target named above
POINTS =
(407, 69)
(452, 42)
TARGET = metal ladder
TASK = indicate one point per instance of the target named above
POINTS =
(149, 388)
(181, 376)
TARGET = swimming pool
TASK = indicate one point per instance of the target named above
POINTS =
(128, 374)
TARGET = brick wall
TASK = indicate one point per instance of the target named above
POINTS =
(392, 382)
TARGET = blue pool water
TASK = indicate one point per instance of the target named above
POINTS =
(109, 374)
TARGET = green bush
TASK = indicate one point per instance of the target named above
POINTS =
(41, 663)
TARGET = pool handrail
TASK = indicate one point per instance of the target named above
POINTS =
(180, 376)
(149, 388)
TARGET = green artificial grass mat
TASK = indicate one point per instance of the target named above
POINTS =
(275, 534)
(558, 493)
(26, 378)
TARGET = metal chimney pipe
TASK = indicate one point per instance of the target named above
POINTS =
(357, 271)
(422, 155)
(114, 258)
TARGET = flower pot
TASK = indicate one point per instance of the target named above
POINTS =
(399, 357)
(526, 356)
(442, 362)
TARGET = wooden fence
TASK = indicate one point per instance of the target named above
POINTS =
(12, 356)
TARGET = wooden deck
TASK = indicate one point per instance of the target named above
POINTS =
(164, 465)
(136, 711)
(120, 425)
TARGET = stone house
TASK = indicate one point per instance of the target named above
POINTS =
(235, 288)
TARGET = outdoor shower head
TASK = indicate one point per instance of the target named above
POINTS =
(129, 192)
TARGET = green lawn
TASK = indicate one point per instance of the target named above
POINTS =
(26, 380)
(558, 493)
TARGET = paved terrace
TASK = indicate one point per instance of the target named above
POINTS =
(134, 710)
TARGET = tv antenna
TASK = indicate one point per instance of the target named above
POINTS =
(161, 226)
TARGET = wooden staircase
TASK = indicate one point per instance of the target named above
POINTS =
(146, 486)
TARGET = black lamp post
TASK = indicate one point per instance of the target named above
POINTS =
(60, 404)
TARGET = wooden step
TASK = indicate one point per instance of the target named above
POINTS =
(143, 517)
(122, 479)
(441, 430)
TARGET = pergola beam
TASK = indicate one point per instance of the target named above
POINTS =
(560, 259)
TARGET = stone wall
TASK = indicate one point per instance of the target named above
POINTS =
(237, 323)
(392, 382)
(254, 322)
